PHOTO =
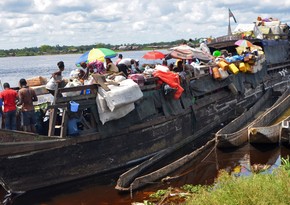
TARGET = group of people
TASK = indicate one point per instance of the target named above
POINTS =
(10, 99)
(124, 65)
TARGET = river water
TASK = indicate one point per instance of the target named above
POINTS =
(202, 170)
(100, 190)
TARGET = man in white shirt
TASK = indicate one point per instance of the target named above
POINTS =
(125, 65)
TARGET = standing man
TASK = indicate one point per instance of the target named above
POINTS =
(26, 97)
(9, 97)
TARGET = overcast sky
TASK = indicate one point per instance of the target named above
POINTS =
(30, 23)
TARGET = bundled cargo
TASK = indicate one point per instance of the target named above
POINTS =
(36, 81)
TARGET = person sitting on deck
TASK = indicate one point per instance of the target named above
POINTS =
(179, 66)
(93, 67)
(110, 66)
(26, 98)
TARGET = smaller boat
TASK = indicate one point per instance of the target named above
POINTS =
(285, 131)
(235, 133)
(267, 129)
(129, 181)
(138, 176)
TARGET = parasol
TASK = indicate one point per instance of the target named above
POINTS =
(243, 43)
(153, 55)
(96, 54)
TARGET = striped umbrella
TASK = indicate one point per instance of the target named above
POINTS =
(96, 54)
(243, 43)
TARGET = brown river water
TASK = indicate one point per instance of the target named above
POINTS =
(202, 170)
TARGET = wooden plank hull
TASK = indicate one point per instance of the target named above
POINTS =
(164, 171)
(127, 179)
(285, 132)
(235, 133)
(263, 130)
(77, 160)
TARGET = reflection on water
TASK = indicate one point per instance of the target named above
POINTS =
(202, 170)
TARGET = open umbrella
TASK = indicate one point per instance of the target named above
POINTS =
(153, 55)
(243, 43)
(96, 54)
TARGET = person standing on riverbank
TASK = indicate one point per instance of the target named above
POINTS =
(9, 97)
(26, 98)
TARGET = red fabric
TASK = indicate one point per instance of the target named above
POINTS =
(9, 97)
(172, 79)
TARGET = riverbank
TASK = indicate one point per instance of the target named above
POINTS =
(258, 188)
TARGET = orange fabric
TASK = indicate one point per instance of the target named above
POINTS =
(172, 79)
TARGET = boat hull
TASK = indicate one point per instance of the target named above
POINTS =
(84, 159)
(262, 130)
(235, 133)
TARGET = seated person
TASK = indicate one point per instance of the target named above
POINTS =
(93, 67)
(110, 66)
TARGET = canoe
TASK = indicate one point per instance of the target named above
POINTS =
(267, 129)
(235, 133)
(285, 132)
(126, 179)
(124, 183)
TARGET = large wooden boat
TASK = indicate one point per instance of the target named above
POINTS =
(157, 122)
(235, 133)
(267, 129)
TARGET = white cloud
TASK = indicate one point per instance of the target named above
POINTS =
(30, 23)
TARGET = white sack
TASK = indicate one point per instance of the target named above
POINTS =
(106, 115)
(74, 83)
(127, 92)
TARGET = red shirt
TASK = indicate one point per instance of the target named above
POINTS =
(9, 97)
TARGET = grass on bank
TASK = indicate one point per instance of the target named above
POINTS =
(257, 189)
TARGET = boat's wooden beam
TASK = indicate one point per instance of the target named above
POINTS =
(63, 130)
(74, 98)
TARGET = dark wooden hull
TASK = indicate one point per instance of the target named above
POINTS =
(285, 132)
(262, 130)
(76, 160)
(124, 183)
(235, 133)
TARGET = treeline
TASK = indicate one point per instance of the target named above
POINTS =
(52, 50)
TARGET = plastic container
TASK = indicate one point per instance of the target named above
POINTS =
(223, 65)
(74, 106)
(224, 74)
(216, 73)
(249, 68)
(242, 67)
(233, 68)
